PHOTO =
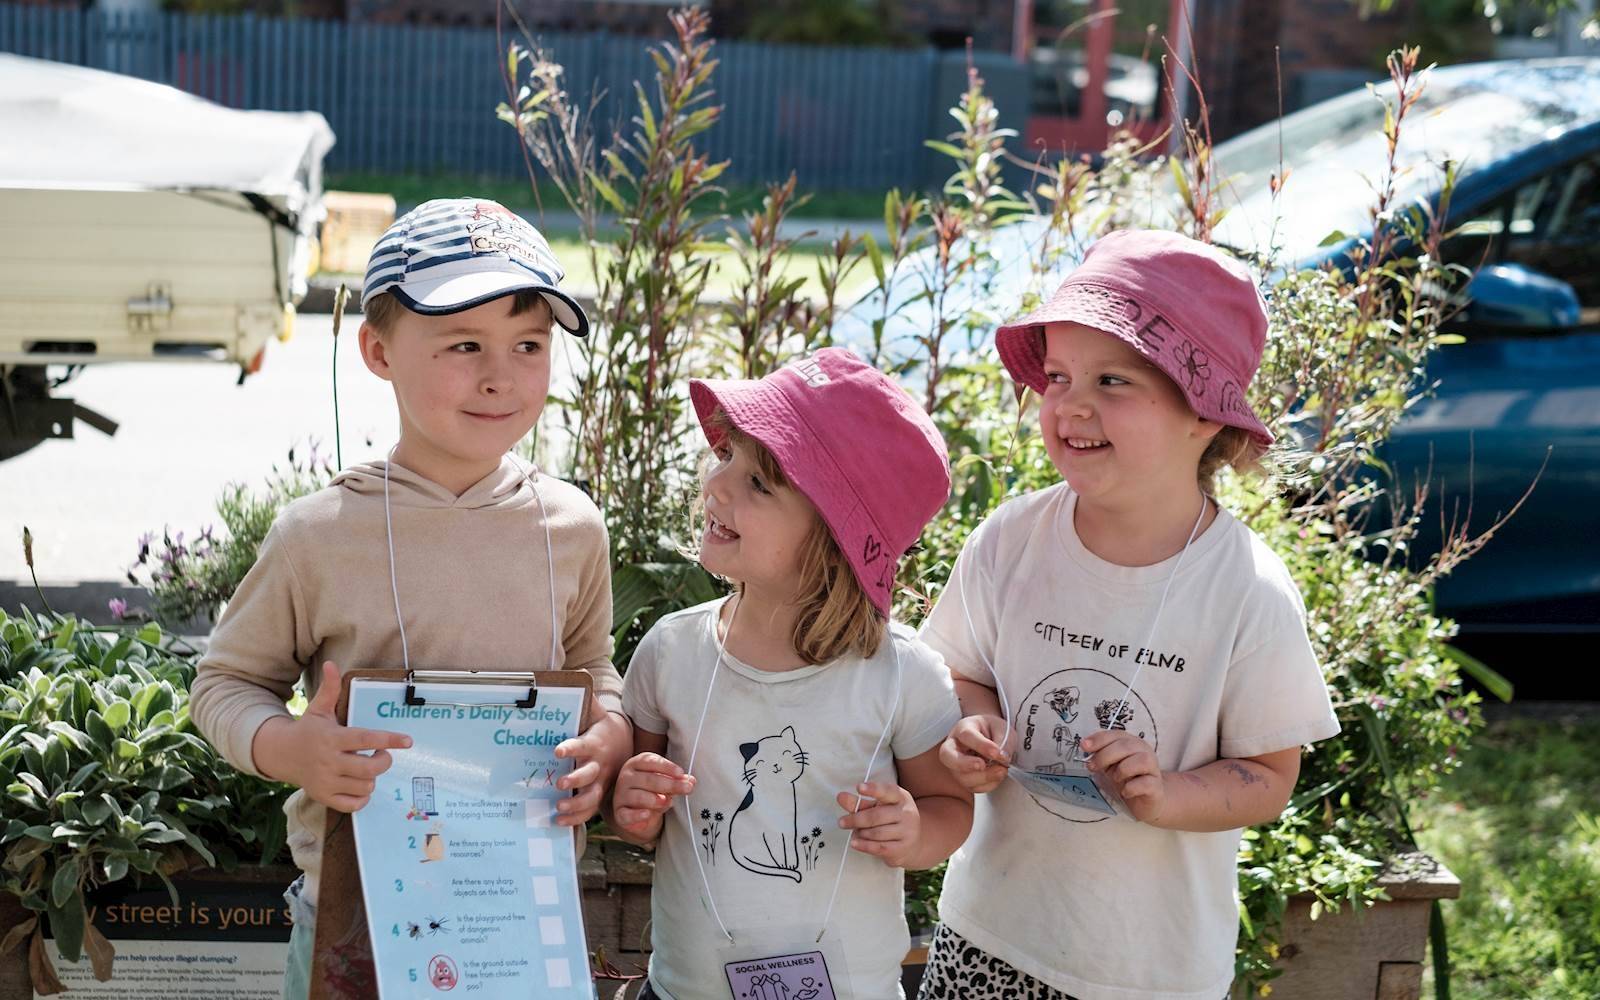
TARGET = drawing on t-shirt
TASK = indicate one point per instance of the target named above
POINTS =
(1054, 717)
(710, 833)
(1064, 702)
(764, 832)
(811, 845)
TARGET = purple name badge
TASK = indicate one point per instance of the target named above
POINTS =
(801, 976)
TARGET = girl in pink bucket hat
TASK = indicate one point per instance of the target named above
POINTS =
(787, 738)
(1131, 660)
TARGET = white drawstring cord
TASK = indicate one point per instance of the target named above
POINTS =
(1000, 692)
(694, 749)
(394, 583)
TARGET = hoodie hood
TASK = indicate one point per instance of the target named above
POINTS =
(503, 489)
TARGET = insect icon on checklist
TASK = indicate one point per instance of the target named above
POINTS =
(413, 931)
(437, 924)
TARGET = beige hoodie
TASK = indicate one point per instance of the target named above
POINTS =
(473, 580)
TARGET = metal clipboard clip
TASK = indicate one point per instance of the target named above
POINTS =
(447, 676)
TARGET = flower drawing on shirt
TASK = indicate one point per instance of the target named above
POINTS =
(710, 833)
(811, 846)
(764, 832)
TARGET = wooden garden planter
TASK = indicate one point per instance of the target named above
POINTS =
(1375, 953)
(258, 888)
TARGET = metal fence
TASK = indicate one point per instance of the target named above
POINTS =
(417, 100)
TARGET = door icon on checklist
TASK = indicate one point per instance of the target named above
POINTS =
(422, 797)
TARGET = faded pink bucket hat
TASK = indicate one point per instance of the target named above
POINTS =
(1191, 310)
(853, 443)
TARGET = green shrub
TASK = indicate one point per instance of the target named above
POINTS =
(106, 778)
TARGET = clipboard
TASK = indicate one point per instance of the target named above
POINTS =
(342, 966)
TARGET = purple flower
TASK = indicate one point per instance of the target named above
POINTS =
(118, 607)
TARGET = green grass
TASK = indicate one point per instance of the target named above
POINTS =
(726, 272)
(1519, 824)
(567, 243)
(518, 194)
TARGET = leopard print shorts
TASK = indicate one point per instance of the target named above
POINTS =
(960, 970)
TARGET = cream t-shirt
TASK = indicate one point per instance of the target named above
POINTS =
(775, 751)
(1107, 908)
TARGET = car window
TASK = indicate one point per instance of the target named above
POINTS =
(1550, 224)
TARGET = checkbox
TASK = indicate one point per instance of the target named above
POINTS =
(557, 973)
(539, 811)
(541, 853)
(552, 931)
(545, 892)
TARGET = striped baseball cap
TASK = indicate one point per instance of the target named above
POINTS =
(451, 254)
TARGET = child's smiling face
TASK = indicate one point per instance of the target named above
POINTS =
(755, 528)
(468, 385)
(1116, 428)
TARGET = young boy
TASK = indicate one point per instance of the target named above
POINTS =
(444, 556)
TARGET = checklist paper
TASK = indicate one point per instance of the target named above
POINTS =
(470, 887)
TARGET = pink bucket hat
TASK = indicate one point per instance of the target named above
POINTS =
(853, 443)
(1191, 310)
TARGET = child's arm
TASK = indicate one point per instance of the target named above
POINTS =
(914, 824)
(599, 752)
(1225, 794)
(321, 756)
(647, 787)
(978, 748)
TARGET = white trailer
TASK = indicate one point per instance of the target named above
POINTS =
(141, 223)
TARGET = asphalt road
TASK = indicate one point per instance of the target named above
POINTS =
(187, 429)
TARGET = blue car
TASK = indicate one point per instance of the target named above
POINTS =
(1520, 399)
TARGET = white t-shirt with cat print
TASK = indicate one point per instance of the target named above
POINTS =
(776, 750)
(1107, 908)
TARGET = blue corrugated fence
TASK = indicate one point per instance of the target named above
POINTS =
(413, 100)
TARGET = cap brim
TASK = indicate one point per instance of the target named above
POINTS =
(461, 292)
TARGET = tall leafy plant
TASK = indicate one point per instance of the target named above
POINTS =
(634, 442)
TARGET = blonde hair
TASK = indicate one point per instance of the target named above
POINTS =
(836, 616)
(384, 309)
(1231, 447)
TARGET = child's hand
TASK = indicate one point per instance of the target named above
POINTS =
(646, 788)
(977, 752)
(598, 751)
(1130, 765)
(886, 828)
(323, 757)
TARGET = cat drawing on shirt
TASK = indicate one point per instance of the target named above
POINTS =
(763, 833)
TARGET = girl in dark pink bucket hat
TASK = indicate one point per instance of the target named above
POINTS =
(1132, 661)
(787, 738)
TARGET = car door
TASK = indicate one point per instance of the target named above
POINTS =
(1518, 408)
